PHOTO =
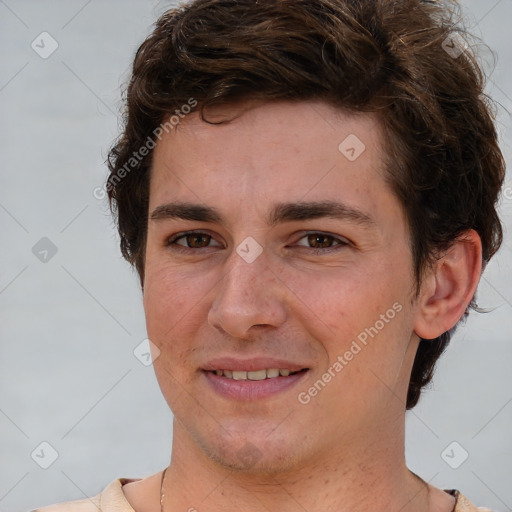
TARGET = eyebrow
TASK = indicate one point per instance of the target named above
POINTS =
(280, 213)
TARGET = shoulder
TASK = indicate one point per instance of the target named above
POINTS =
(464, 505)
(87, 505)
(111, 499)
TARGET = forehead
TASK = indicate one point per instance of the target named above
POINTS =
(277, 152)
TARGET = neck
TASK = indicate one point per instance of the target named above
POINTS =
(359, 476)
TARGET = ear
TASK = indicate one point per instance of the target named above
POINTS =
(448, 288)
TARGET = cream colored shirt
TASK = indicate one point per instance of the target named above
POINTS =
(112, 499)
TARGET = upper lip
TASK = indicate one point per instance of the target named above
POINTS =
(251, 365)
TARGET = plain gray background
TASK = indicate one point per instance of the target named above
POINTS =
(69, 325)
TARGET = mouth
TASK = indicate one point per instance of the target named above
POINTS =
(255, 384)
(263, 374)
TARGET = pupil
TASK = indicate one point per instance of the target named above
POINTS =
(315, 238)
(197, 238)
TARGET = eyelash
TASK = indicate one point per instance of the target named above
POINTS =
(171, 242)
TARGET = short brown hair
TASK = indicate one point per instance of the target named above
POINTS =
(400, 58)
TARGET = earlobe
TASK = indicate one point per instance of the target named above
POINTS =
(449, 287)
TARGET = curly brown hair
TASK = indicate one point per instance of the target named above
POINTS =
(403, 59)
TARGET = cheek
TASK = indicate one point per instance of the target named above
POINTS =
(338, 303)
(360, 313)
(171, 318)
(170, 300)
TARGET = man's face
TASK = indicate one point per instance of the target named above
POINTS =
(329, 295)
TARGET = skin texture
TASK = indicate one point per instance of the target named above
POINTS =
(303, 299)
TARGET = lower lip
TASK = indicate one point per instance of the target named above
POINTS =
(252, 389)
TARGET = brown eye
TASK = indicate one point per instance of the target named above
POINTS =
(320, 241)
(197, 240)
(192, 240)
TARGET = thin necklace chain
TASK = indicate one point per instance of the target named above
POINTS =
(162, 495)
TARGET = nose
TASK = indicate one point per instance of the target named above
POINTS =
(249, 294)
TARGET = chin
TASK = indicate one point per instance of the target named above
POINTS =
(250, 460)
(254, 455)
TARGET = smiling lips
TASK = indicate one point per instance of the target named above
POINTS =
(269, 373)
(252, 379)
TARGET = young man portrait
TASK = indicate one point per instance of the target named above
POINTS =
(307, 190)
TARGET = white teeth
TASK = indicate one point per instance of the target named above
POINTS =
(270, 373)
(258, 375)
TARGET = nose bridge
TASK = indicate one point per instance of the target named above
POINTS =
(243, 279)
(248, 293)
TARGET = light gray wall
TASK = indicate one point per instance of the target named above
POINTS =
(69, 326)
